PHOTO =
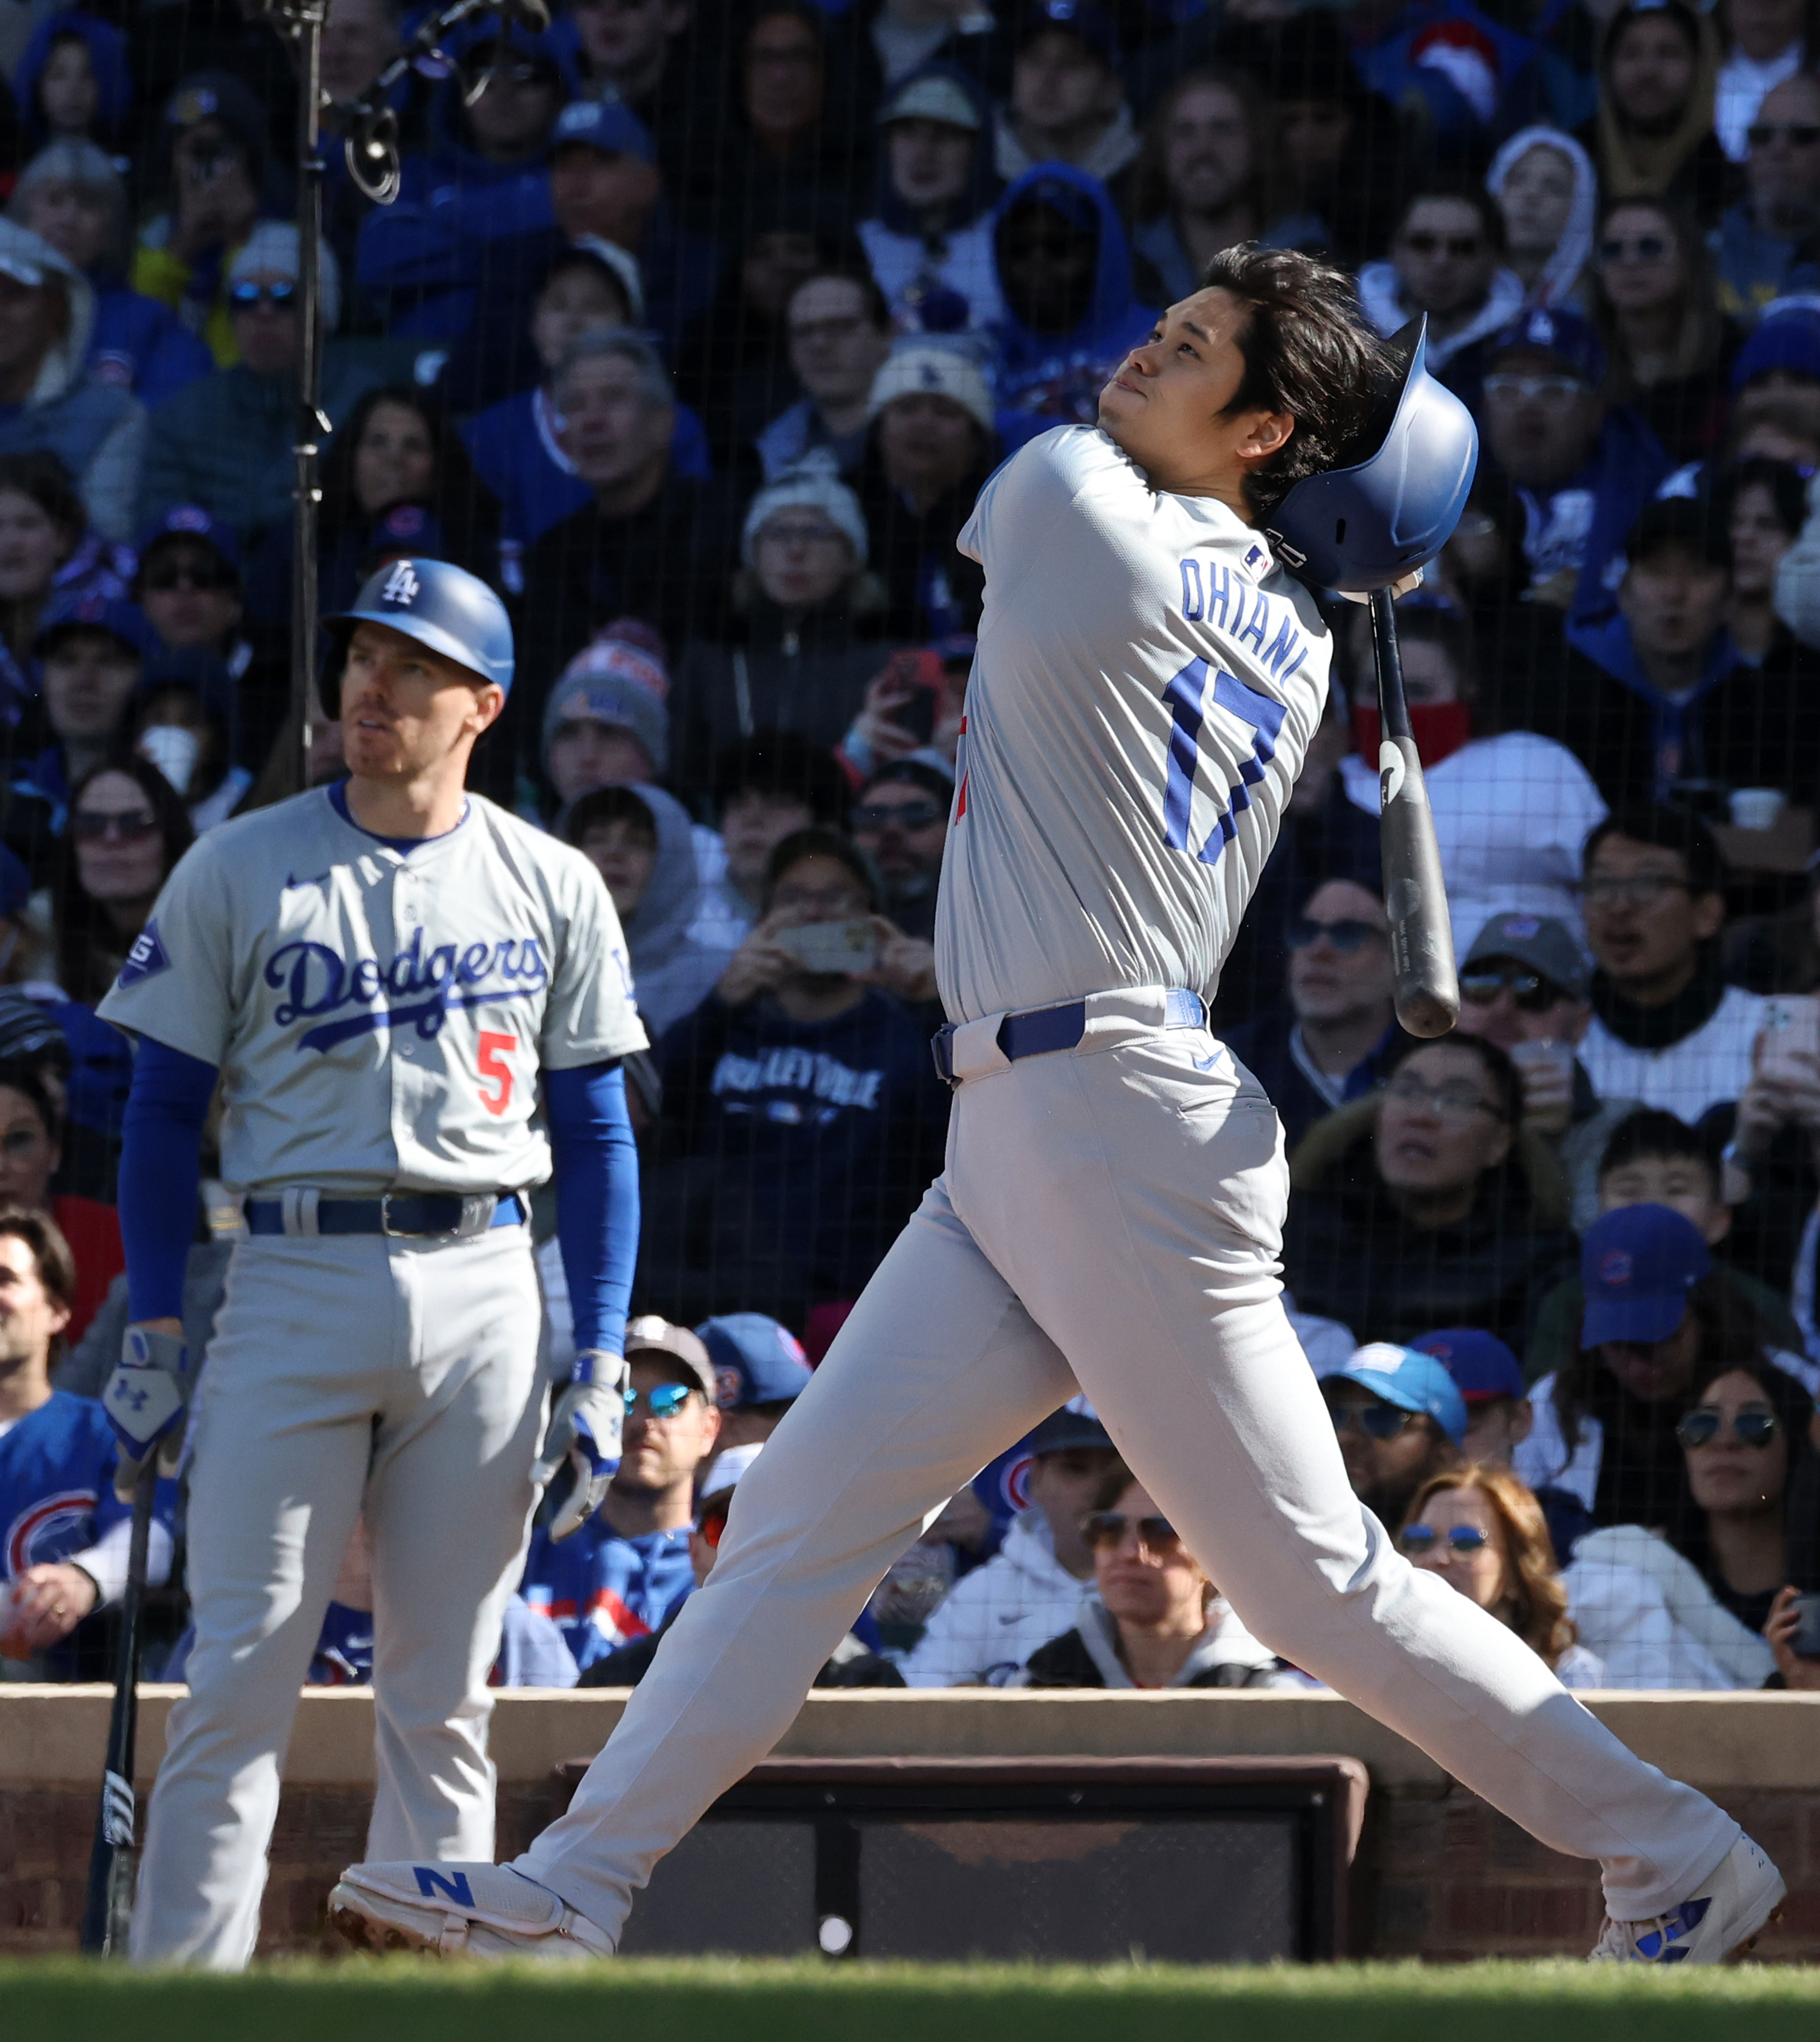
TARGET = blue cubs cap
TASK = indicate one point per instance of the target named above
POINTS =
(1788, 340)
(756, 1361)
(1411, 1381)
(126, 621)
(604, 124)
(1480, 1364)
(1088, 24)
(1637, 1265)
(190, 520)
(443, 607)
(406, 528)
(1553, 330)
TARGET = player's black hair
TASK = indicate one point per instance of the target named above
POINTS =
(1506, 1080)
(1672, 828)
(1307, 351)
(1660, 1137)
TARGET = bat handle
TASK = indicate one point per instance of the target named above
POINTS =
(1427, 988)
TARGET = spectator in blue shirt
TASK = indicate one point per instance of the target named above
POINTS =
(71, 196)
(627, 1570)
(72, 82)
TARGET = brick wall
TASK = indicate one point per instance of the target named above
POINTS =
(1441, 1876)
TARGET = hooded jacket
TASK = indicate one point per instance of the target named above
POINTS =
(96, 430)
(673, 971)
(995, 1617)
(1044, 380)
(1380, 296)
(1350, 1254)
(1224, 1655)
(910, 263)
(1559, 281)
(1687, 164)
(107, 61)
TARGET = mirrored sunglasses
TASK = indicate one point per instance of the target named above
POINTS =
(664, 1401)
(1463, 1540)
(1749, 1428)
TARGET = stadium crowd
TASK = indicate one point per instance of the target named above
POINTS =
(694, 329)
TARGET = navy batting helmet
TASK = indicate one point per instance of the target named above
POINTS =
(1395, 502)
(444, 608)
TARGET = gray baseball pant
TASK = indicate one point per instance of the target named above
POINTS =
(1110, 1217)
(347, 1372)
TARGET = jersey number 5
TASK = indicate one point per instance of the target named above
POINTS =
(495, 1048)
(1190, 696)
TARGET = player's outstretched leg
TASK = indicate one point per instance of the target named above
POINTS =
(1143, 1238)
(938, 1369)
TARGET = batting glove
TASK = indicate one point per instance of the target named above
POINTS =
(146, 1399)
(584, 1431)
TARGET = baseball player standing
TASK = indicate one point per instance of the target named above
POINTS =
(413, 1004)
(1146, 685)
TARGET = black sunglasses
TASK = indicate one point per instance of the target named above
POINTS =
(134, 827)
(1533, 993)
(1304, 933)
(1640, 248)
(1108, 1527)
(1463, 247)
(1376, 1421)
(1749, 1428)
(1802, 134)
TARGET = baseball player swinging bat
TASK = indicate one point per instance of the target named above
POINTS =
(114, 1858)
(1151, 668)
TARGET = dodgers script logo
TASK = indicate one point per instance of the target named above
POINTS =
(319, 981)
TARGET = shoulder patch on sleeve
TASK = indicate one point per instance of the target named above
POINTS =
(146, 959)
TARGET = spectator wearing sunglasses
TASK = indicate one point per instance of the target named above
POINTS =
(1427, 1203)
(1762, 245)
(1524, 986)
(1667, 1029)
(1561, 470)
(1688, 1610)
(1152, 1619)
(1484, 1535)
(127, 828)
(1341, 1026)
(1654, 303)
(1445, 261)
(1400, 1421)
(225, 442)
(627, 1569)
(900, 822)
(1765, 42)
(1027, 1592)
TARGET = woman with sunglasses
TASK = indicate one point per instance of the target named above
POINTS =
(1653, 300)
(1484, 1535)
(1688, 1610)
(127, 826)
(1152, 1619)
(1428, 1203)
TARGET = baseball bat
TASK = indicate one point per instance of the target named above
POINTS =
(1427, 987)
(114, 1857)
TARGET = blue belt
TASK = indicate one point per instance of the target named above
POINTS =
(406, 1215)
(1038, 1031)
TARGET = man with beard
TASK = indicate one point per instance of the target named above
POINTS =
(900, 822)
(1197, 182)
(1400, 1419)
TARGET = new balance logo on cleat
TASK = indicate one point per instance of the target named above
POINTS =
(451, 1886)
(1666, 1945)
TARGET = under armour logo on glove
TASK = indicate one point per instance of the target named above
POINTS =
(145, 1400)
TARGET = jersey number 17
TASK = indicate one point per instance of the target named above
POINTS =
(1193, 692)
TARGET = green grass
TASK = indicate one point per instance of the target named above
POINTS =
(62, 2000)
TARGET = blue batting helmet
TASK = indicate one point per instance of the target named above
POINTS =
(1395, 503)
(444, 608)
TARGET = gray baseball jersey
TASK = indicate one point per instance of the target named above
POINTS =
(380, 1015)
(1146, 685)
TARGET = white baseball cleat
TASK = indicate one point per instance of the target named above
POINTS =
(459, 1910)
(1718, 1925)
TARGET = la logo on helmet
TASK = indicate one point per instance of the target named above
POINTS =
(401, 585)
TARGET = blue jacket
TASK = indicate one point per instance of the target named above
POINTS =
(602, 1591)
(1044, 379)
(512, 445)
(142, 345)
(1505, 62)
